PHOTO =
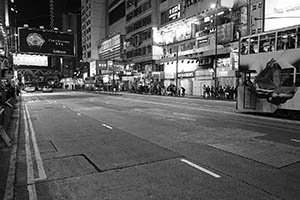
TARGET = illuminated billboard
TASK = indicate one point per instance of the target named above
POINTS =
(30, 60)
(279, 14)
(45, 42)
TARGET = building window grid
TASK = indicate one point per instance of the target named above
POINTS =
(138, 11)
(139, 24)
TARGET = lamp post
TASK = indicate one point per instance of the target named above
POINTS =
(176, 73)
(215, 6)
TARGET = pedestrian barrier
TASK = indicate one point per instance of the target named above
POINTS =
(6, 112)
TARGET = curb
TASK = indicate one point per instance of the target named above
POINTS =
(9, 189)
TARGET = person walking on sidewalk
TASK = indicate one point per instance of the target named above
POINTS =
(183, 91)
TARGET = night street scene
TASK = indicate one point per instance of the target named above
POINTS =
(149, 100)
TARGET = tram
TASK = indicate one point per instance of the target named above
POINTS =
(270, 71)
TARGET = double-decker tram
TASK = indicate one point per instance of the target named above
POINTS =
(270, 71)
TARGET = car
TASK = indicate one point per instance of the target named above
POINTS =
(29, 88)
(47, 89)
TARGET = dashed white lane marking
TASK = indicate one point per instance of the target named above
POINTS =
(187, 118)
(109, 127)
(200, 168)
(78, 114)
(294, 140)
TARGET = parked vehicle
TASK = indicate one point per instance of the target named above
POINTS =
(30, 87)
(47, 89)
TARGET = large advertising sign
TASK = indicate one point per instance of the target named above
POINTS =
(45, 42)
(279, 14)
(30, 60)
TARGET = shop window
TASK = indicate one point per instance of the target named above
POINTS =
(286, 39)
(267, 42)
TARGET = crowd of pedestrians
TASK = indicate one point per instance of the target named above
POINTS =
(157, 89)
(221, 92)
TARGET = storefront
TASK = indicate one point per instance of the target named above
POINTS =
(185, 73)
(203, 78)
(185, 80)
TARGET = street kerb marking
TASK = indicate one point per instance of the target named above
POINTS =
(200, 168)
(294, 140)
(109, 127)
(30, 173)
(40, 166)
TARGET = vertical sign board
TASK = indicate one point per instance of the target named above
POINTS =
(45, 42)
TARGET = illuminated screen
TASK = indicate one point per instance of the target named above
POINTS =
(45, 42)
(279, 14)
(30, 60)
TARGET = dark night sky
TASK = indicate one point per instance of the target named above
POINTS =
(35, 13)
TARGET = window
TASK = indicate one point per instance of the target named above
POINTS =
(286, 39)
(287, 77)
(267, 42)
(253, 45)
(245, 46)
(117, 13)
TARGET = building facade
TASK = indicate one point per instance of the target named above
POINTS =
(141, 35)
(93, 27)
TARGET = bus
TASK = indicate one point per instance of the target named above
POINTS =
(269, 71)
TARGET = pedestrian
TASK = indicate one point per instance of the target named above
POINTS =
(183, 91)
(204, 90)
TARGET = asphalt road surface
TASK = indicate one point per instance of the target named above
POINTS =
(80, 145)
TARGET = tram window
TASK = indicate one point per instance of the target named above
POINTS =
(267, 42)
(286, 39)
(244, 46)
(287, 76)
(298, 35)
(253, 45)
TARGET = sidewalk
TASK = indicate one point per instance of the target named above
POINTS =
(8, 157)
(187, 96)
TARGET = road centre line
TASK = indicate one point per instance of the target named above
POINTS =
(40, 166)
(200, 168)
(294, 140)
(109, 127)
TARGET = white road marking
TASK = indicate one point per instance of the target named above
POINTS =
(294, 140)
(78, 114)
(64, 106)
(200, 168)
(32, 192)
(30, 174)
(187, 118)
(40, 166)
(109, 127)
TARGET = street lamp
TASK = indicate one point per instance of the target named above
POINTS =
(215, 6)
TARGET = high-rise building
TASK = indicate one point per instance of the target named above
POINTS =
(93, 27)
(71, 22)
(141, 29)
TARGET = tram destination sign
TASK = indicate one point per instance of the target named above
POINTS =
(45, 42)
